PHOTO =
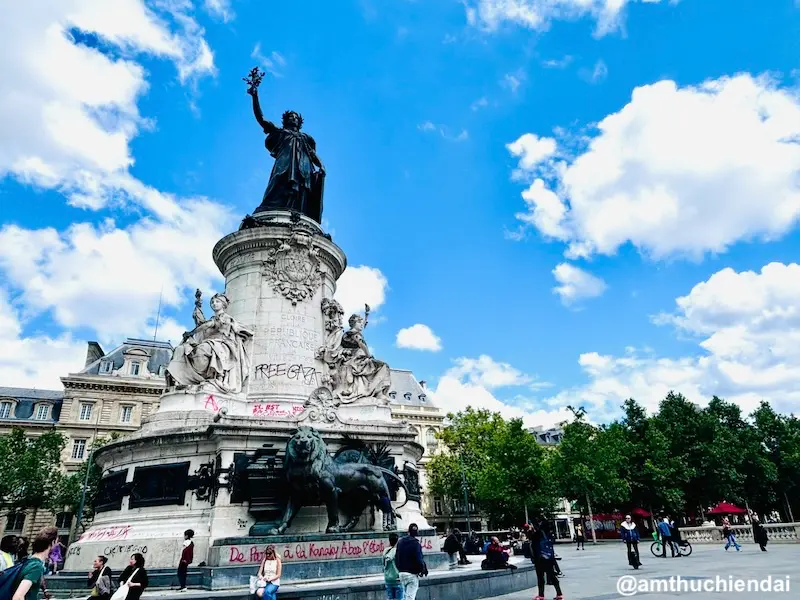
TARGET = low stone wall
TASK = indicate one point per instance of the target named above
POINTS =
(776, 532)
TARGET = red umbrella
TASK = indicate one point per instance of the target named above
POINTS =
(726, 508)
(639, 512)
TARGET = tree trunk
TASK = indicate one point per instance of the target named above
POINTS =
(702, 514)
(591, 518)
(788, 507)
(527, 520)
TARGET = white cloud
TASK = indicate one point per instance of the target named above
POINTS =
(532, 150)
(220, 9)
(444, 131)
(37, 360)
(418, 337)
(748, 330)
(273, 63)
(575, 284)
(471, 382)
(69, 110)
(677, 172)
(557, 63)
(480, 103)
(512, 81)
(361, 285)
(597, 74)
(538, 14)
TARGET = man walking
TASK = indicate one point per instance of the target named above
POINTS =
(454, 550)
(410, 562)
(666, 538)
(31, 575)
(391, 576)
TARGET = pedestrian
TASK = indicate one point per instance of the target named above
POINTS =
(630, 536)
(31, 574)
(543, 557)
(391, 576)
(135, 577)
(187, 557)
(56, 557)
(579, 538)
(729, 536)
(452, 546)
(759, 534)
(269, 575)
(410, 562)
(666, 538)
(8, 552)
(100, 579)
(675, 536)
(22, 548)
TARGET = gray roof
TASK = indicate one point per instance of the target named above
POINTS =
(405, 389)
(160, 355)
(31, 394)
(550, 436)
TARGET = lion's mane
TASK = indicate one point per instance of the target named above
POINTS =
(316, 462)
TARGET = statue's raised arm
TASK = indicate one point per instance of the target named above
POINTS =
(253, 80)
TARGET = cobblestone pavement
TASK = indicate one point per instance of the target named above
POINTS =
(593, 574)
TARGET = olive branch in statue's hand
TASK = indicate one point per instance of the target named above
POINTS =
(253, 80)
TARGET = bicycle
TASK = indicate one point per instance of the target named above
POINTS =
(684, 548)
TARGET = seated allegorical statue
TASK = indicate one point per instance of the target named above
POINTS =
(353, 372)
(215, 353)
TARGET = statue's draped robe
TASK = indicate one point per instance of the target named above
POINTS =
(291, 181)
(224, 342)
(362, 375)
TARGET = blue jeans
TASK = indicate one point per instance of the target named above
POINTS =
(395, 591)
(732, 541)
(270, 592)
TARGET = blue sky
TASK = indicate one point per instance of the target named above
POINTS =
(581, 203)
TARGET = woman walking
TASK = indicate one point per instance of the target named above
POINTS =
(56, 557)
(630, 536)
(759, 534)
(728, 534)
(269, 575)
(135, 577)
(544, 560)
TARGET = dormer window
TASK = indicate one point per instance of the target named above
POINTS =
(162, 370)
(135, 366)
(106, 366)
(407, 396)
(6, 409)
(392, 394)
(42, 412)
(422, 397)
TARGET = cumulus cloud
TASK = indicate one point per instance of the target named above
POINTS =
(37, 360)
(418, 337)
(220, 9)
(676, 172)
(537, 15)
(747, 325)
(474, 382)
(361, 285)
(575, 284)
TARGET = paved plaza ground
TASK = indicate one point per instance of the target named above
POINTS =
(593, 574)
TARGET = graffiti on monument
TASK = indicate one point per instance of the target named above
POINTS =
(276, 410)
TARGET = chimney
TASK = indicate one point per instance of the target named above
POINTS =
(422, 383)
(93, 352)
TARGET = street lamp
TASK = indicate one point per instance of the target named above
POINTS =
(465, 488)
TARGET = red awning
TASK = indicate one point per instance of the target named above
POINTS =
(726, 508)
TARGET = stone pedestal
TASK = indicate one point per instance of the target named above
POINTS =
(188, 466)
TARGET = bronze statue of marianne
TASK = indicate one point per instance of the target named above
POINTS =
(294, 185)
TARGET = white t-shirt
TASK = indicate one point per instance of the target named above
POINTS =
(270, 570)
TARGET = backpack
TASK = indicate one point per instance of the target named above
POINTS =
(390, 572)
(10, 579)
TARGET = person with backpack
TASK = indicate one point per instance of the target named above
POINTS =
(410, 562)
(24, 580)
(391, 576)
(187, 556)
(543, 557)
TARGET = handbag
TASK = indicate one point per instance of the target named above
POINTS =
(122, 592)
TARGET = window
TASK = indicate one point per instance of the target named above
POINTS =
(162, 370)
(126, 414)
(431, 437)
(42, 412)
(135, 368)
(106, 366)
(86, 412)
(437, 507)
(15, 522)
(5, 410)
(78, 449)
(407, 396)
(422, 397)
(64, 520)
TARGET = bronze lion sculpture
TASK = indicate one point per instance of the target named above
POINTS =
(315, 478)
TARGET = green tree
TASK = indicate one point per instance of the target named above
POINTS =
(504, 468)
(779, 436)
(31, 469)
